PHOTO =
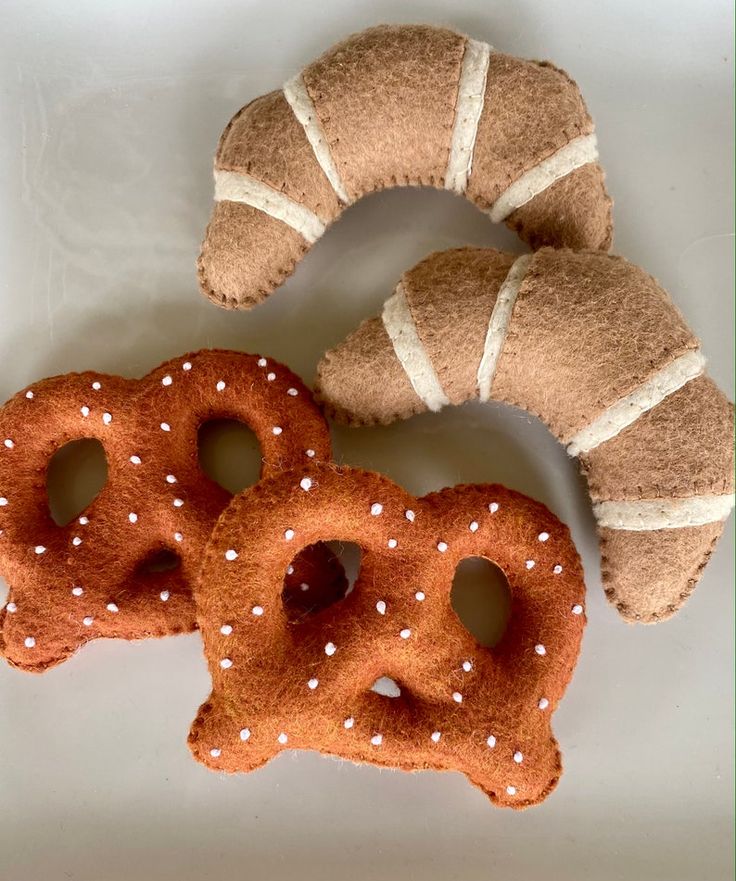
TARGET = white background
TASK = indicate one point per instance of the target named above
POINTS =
(110, 114)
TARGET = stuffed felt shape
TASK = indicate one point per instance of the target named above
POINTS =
(279, 684)
(397, 106)
(594, 347)
(89, 579)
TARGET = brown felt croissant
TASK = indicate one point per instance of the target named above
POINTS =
(397, 106)
(595, 348)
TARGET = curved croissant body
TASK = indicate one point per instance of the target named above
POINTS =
(595, 348)
(400, 106)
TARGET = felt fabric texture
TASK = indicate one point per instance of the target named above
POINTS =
(91, 579)
(385, 103)
(571, 212)
(241, 243)
(647, 576)
(587, 329)
(279, 685)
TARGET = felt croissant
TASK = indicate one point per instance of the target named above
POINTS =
(400, 106)
(595, 348)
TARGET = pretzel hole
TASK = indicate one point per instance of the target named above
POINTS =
(161, 560)
(387, 687)
(481, 599)
(229, 454)
(76, 474)
(350, 556)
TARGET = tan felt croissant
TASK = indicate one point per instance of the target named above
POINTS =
(398, 106)
(595, 348)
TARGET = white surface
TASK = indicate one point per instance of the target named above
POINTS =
(110, 113)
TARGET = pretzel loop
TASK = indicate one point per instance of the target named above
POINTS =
(308, 685)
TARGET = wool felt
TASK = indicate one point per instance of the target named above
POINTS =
(279, 684)
(587, 330)
(90, 579)
(390, 107)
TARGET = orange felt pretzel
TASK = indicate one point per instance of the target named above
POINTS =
(89, 579)
(281, 684)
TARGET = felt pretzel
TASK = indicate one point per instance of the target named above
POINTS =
(594, 347)
(90, 579)
(406, 105)
(279, 684)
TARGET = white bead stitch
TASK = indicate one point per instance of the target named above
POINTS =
(112, 607)
(543, 703)
(376, 509)
(215, 753)
(9, 443)
(96, 385)
(491, 741)
(313, 683)
(292, 392)
(244, 733)
(543, 536)
(381, 607)
(392, 543)
(29, 642)
(435, 736)
(511, 790)
(310, 453)
(442, 546)
(40, 549)
(187, 365)
(170, 478)
(11, 607)
(226, 629)
(167, 380)
(410, 515)
(577, 609)
(457, 697)
(277, 429)
(133, 517)
(305, 483)
(289, 534)
(77, 591)
(136, 460)
(518, 757)
(377, 739)
(164, 595)
(88, 621)
(76, 541)
(220, 386)
(83, 521)
(540, 649)
(419, 596)
(530, 564)
(467, 666)
(226, 663)
(282, 738)
(557, 569)
(262, 362)
(405, 633)
(107, 418)
(231, 555)
(349, 722)
(257, 611)
(165, 426)
(84, 411)
(330, 649)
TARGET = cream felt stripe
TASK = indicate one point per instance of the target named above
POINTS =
(295, 92)
(499, 323)
(233, 186)
(579, 151)
(469, 106)
(628, 409)
(645, 515)
(409, 350)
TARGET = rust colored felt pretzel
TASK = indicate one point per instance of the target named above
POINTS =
(280, 684)
(596, 349)
(89, 579)
(399, 106)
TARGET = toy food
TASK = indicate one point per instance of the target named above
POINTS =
(93, 578)
(279, 684)
(407, 105)
(595, 348)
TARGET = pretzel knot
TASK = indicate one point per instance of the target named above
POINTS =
(306, 684)
(93, 577)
